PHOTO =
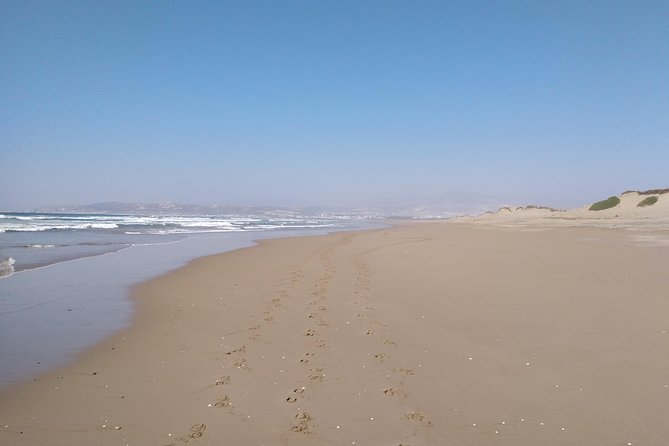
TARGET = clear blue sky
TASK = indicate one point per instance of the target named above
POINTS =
(339, 102)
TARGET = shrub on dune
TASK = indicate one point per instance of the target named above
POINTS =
(605, 204)
(648, 201)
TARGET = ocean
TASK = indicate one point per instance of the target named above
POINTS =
(67, 277)
(33, 240)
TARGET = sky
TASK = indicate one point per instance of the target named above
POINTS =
(331, 102)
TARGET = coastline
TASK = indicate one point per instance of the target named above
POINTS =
(423, 333)
(49, 314)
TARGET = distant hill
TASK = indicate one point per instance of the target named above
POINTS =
(126, 208)
(169, 208)
(445, 206)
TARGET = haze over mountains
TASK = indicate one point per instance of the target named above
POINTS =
(444, 206)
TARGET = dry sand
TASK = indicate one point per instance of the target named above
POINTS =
(423, 334)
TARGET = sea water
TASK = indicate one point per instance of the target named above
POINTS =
(32, 240)
(67, 277)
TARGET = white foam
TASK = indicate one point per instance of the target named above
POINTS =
(104, 226)
(50, 227)
(156, 224)
(7, 267)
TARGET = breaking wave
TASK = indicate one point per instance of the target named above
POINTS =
(151, 224)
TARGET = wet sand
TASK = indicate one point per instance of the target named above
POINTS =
(422, 334)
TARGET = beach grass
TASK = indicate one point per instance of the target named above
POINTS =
(648, 201)
(605, 204)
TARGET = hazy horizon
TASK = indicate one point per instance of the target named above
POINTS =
(331, 103)
(454, 203)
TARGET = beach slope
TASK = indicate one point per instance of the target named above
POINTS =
(421, 334)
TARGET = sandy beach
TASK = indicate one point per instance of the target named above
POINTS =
(334, 223)
(422, 334)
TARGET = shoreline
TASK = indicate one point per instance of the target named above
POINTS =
(50, 313)
(422, 333)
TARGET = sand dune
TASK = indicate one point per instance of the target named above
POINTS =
(627, 214)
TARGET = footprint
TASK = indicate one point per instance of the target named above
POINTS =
(223, 380)
(389, 342)
(241, 364)
(197, 430)
(241, 349)
(223, 402)
(414, 416)
(298, 391)
(418, 417)
(380, 357)
(403, 371)
(392, 391)
(303, 423)
(317, 375)
(310, 332)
